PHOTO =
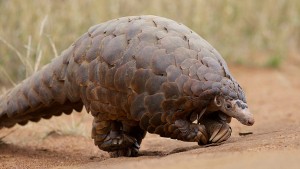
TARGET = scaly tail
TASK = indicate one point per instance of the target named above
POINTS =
(50, 91)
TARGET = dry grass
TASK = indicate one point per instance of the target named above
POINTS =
(250, 32)
(74, 124)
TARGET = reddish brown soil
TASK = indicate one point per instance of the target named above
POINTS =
(273, 96)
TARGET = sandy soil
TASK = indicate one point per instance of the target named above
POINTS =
(273, 96)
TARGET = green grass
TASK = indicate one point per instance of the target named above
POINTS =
(249, 32)
(274, 62)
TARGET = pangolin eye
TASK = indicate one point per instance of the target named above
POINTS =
(228, 106)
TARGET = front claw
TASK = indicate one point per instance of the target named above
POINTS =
(218, 132)
(201, 137)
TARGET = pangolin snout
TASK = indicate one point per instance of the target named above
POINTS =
(244, 116)
(250, 122)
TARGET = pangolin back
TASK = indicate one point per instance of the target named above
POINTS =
(123, 69)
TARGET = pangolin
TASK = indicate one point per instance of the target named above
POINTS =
(135, 75)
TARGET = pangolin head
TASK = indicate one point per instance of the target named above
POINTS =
(234, 108)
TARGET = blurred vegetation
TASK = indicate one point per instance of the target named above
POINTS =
(248, 32)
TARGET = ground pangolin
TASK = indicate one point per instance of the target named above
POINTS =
(135, 75)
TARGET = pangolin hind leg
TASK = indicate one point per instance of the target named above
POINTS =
(116, 138)
(131, 139)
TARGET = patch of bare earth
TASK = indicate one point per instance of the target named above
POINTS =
(273, 96)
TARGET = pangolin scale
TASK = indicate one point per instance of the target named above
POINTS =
(135, 75)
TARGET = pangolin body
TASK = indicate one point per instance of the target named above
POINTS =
(134, 74)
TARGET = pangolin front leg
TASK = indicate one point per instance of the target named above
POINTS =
(179, 129)
(191, 132)
(218, 130)
(210, 131)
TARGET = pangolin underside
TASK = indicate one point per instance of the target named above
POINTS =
(135, 75)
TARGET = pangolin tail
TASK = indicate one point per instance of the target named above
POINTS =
(46, 93)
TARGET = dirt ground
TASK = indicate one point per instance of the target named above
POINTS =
(273, 96)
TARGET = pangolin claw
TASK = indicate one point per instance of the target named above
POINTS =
(221, 132)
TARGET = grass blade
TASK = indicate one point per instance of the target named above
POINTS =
(3, 71)
(20, 56)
